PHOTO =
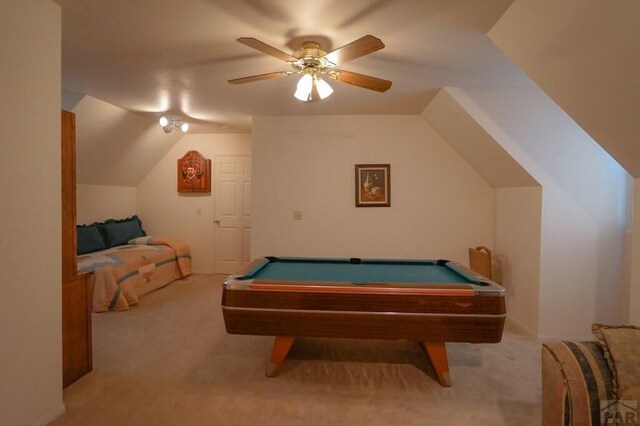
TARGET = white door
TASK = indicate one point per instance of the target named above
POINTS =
(232, 198)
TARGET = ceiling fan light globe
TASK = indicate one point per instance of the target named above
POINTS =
(303, 89)
(302, 95)
(184, 127)
(305, 83)
(164, 121)
(167, 129)
(324, 89)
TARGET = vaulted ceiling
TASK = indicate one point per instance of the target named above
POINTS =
(152, 57)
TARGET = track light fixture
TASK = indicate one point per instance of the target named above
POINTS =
(169, 123)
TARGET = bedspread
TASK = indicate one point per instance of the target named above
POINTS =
(122, 274)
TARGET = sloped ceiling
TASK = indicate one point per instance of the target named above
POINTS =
(585, 54)
(157, 56)
(151, 57)
(115, 146)
(474, 144)
(70, 100)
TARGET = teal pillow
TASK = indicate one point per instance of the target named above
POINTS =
(89, 239)
(119, 232)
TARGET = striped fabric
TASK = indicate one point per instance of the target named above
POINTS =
(576, 383)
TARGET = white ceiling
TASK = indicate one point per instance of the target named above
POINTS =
(157, 56)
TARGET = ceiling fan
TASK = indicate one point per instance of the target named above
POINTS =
(314, 63)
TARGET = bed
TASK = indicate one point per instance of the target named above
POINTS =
(127, 268)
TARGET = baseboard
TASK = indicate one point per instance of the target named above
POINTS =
(521, 327)
(52, 415)
(202, 272)
(586, 338)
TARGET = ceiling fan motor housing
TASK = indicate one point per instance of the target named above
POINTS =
(310, 59)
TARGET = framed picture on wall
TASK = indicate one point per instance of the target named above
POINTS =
(373, 185)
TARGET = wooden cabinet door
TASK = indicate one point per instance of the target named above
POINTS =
(77, 358)
(68, 166)
(76, 289)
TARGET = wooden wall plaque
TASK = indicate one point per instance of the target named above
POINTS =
(194, 173)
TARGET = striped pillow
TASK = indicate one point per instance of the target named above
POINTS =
(622, 350)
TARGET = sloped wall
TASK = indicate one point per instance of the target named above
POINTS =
(474, 144)
(584, 55)
(440, 206)
(583, 207)
(116, 147)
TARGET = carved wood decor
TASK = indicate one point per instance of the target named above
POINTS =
(194, 173)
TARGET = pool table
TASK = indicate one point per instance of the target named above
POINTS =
(429, 301)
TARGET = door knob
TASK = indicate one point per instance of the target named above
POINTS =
(217, 221)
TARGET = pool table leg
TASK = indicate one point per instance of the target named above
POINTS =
(437, 353)
(281, 347)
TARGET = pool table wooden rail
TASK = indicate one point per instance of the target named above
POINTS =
(325, 301)
(431, 327)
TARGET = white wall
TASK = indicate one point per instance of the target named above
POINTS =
(517, 252)
(30, 233)
(165, 212)
(440, 206)
(97, 203)
(582, 276)
(634, 299)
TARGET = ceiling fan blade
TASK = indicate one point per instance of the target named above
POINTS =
(355, 49)
(259, 77)
(265, 48)
(361, 80)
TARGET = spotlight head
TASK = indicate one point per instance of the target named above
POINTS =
(169, 123)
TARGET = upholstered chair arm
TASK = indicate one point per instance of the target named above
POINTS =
(575, 379)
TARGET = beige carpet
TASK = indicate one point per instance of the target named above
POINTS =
(169, 361)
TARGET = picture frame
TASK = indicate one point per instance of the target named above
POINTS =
(373, 185)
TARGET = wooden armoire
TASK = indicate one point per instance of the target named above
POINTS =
(77, 358)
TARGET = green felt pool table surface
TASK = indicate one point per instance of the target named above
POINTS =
(359, 271)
